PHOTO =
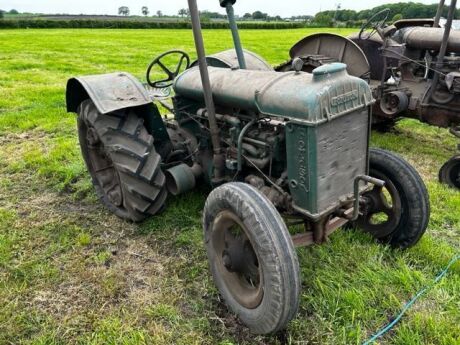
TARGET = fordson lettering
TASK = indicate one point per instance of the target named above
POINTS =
(345, 98)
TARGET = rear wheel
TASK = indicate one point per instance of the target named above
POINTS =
(450, 173)
(122, 161)
(252, 257)
(397, 213)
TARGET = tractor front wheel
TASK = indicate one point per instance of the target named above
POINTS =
(398, 213)
(122, 161)
(252, 257)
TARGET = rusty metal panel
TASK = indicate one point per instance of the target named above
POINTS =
(109, 92)
(335, 47)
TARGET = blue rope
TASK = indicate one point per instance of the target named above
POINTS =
(411, 302)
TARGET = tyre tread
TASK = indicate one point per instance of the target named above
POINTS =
(273, 242)
(133, 154)
(413, 188)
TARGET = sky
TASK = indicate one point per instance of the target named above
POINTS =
(284, 8)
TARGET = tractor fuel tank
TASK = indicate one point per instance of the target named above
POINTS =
(430, 38)
(229, 59)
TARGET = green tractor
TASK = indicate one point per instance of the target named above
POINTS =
(278, 149)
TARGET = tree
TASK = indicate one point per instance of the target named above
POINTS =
(2, 14)
(324, 19)
(207, 15)
(145, 11)
(183, 12)
(397, 17)
(159, 14)
(13, 11)
(247, 16)
(257, 15)
(404, 9)
(123, 11)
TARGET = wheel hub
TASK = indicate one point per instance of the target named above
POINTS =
(237, 255)
(237, 261)
(382, 210)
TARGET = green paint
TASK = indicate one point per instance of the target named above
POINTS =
(333, 94)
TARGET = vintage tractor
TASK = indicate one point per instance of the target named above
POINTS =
(412, 66)
(278, 150)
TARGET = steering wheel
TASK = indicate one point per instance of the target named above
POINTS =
(374, 23)
(171, 73)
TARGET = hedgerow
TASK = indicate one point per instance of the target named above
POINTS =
(127, 24)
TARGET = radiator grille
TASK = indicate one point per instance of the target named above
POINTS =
(341, 156)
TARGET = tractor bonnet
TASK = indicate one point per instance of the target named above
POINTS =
(310, 98)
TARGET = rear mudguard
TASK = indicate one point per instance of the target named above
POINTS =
(117, 91)
(109, 92)
(327, 48)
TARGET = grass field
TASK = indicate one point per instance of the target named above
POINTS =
(71, 273)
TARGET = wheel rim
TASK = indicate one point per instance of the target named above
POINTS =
(236, 261)
(450, 173)
(382, 209)
(102, 167)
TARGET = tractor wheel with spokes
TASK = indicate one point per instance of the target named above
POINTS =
(398, 213)
(253, 260)
(122, 161)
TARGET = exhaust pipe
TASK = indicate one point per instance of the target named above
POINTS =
(182, 178)
(218, 158)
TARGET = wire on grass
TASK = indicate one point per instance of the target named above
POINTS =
(409, 304)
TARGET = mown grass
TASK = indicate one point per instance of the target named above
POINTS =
(70, 272)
